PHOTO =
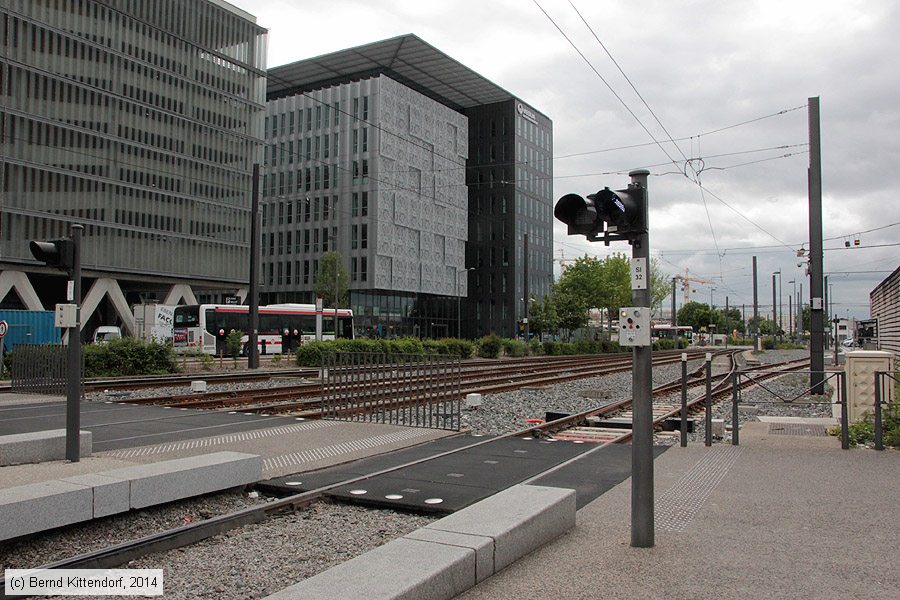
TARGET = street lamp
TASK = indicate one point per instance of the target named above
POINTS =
(711, 290)
(458, 313)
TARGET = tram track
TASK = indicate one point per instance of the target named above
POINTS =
(194, 532)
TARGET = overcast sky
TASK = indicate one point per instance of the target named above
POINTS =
(701, 66)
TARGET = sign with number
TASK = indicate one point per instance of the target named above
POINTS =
(639, 274)
(4, 327)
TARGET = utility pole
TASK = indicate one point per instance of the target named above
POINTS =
(253, 354)
(525, 284)
(674, 318)
(774, 313)
(755, 309)
(642, 523)
(73, 380)
(816, 258)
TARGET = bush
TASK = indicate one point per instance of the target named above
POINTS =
(128, 356)
(664, 344)
(460, 348)
(489, 346)
(233, 343)
(514, 348)
(863, 432)
(535, 347)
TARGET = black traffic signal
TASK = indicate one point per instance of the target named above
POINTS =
(55, 253)
(608, 215)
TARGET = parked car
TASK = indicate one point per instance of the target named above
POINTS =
(104, 333)
(848, 343)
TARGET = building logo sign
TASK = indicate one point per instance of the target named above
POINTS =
(526, 113)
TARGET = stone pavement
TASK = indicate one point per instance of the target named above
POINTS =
(781, 516)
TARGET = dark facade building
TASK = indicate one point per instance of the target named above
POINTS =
(455, 175)
(141, 121)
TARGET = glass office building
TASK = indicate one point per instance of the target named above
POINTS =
(139, 120)
(423, 175)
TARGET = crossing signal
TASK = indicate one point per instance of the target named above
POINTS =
(608, 215)
(55, 253)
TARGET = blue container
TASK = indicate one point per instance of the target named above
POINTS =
(29, 327)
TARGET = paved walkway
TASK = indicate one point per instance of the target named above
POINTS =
(781, 516)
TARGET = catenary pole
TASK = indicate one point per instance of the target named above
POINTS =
(253, 354)
(816, 259)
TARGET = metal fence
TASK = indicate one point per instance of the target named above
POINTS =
(837, 379)
(39, 369)
(411, 390)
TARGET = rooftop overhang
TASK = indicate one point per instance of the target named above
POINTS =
(406, 59)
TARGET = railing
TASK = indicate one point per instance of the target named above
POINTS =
(840, 387)
(411, 390)
(40, 369)
(882, 379)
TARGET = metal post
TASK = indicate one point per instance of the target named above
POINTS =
(879, 431)
(845, 426)
(709, 399)
(458, 315)
(774, 313)
(684, 399)
(525, 284)
(727, 328)
(816, 308)
(642, 523)
(253, 309)
(780, 308)
(735, 417)
(674, 314)
(790, 318)
(73, 356)
(755, 309)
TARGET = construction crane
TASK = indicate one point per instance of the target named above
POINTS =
(686, 281)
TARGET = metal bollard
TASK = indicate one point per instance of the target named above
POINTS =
(735, 421)
(709, 399)
(684, 399)
(879, 431)
(845, 427)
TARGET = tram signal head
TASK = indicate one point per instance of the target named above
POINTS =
(607, 214)
(54, 253)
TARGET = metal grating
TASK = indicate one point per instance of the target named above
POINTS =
(797, 429)
(41, 369)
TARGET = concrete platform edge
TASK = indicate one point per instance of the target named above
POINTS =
(451, 555)
(40, 446)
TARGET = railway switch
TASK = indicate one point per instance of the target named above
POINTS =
(634, 326)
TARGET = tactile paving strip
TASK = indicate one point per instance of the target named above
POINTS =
(230, 438)
(797, 429)
(680, 503)
(314, 454)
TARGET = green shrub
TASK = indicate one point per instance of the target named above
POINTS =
(128, 356)
(863, 432)
(535, 347)
(459, 348)
(514, 348)
(233, 343)
(664, 344)
(489, 346)
(310, 354)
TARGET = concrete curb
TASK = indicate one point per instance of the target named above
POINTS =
(37, 507)
(451, 555)
(40, 446)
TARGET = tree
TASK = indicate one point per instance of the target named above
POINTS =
(659, 286)
(543, 317)
(333, 292)
(572, 310)
(698, 316)
(733, 321)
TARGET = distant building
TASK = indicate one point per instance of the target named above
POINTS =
(141, 121)
(423, 175)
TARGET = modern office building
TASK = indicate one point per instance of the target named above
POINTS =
(423, 175)
(141, 121)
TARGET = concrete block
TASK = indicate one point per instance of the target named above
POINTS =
(519, 519)
(40, 446)
(37, 507)
(404, 569)
(111, 495)
(166, 481)
(482, 546)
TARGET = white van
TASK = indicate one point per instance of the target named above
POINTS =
(104, 333)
